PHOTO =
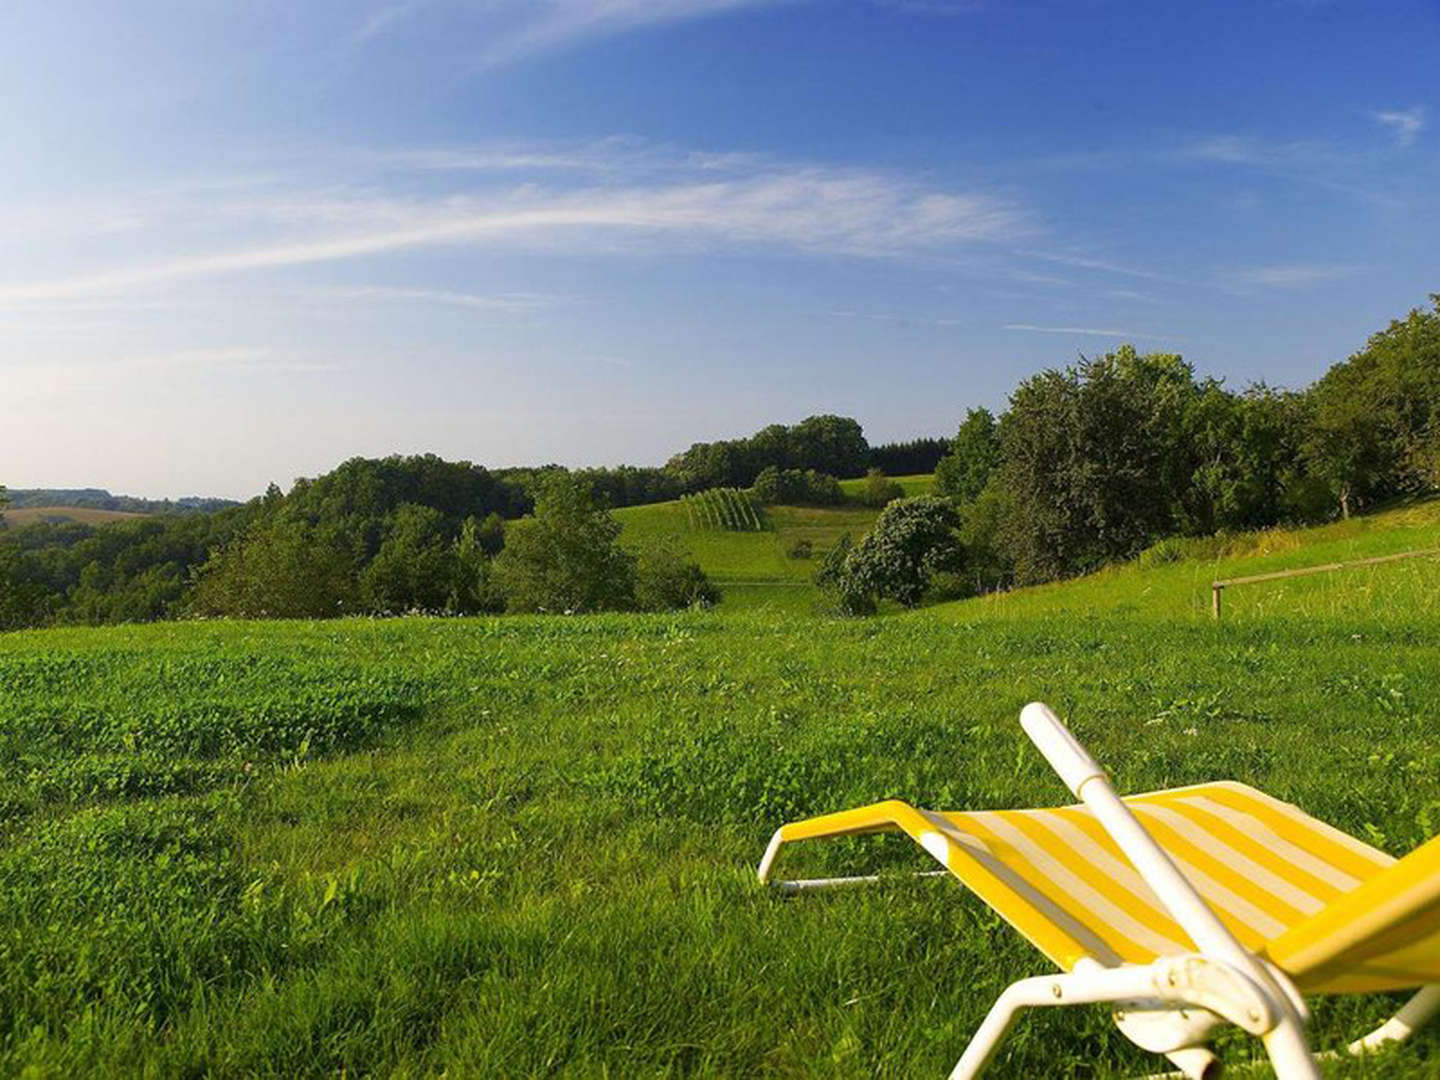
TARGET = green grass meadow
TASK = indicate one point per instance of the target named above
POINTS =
(525, 846)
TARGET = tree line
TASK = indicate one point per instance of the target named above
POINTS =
(1094, 462)
(383, 536)
(1089, 463)
(100, 499)
(372, 536)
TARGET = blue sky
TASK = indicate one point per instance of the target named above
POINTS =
(240, 242)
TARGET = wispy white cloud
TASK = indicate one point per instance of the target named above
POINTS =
(1303, 161)
(903, 319)
(615, 155)
(1404, 124)
(512, 303)
(1086, 262)
(552, 24)
(1249, 150)
(942, 8)
(1130, 294)
(1087, 330)
(385, 18)
(1288, 275)
(810, 209)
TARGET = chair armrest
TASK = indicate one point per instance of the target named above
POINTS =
(1060, 748)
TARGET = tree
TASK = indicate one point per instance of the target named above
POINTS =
(987, 567)
(833, 445)
(1350, 447)
(566, 557)
(4, 502)
(474, 588)
(879, 489)
(773, 487)
(829, 444)
(911, 457)
(278, 570)
(973, 454)
(415, 568)
(1376, 427)
(913, 540)
(668, 578)
(1091, 460)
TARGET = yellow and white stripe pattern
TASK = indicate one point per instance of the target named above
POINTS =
(1333, 912)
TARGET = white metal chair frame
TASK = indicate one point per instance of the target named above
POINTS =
(1170, 1005)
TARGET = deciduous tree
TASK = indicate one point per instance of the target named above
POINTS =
(566, 558)
(973, 454)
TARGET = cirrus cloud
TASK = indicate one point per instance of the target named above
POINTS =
(854, 213)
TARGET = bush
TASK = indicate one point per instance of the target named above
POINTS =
(913, 541)
(981, 519)
(667, 579)
(800, 549)
(879, 490)
(838, 585)
(822, 489)
(277, 570)
(796, 486)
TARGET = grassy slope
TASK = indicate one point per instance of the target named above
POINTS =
(529, 849)
(752, 568)
(86, 515)
(1181, 590)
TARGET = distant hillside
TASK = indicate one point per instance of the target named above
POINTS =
(754, 568)
(15, 518)
(100, 499)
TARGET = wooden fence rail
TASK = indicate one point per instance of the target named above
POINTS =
(1218, 587)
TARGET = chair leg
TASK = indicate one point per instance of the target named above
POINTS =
(1088, 984)
(998, 1020)
(1412, 1015)
(1177, 982)
(1289, 1051)
(1195, 1062)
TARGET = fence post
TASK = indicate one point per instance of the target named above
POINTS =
(1216, 590)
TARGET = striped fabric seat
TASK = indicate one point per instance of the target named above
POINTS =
(1262, 865)
(1185, 909)
(1271, 872)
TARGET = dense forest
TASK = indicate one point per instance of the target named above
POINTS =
(1090, 463)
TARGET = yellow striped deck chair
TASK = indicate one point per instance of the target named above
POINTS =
(1183, 909)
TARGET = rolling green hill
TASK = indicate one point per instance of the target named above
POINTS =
(524, 846)
(1172, 581)
(753, 569)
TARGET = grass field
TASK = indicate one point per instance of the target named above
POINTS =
(525, 846)
(85, 515)
(753, 569)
